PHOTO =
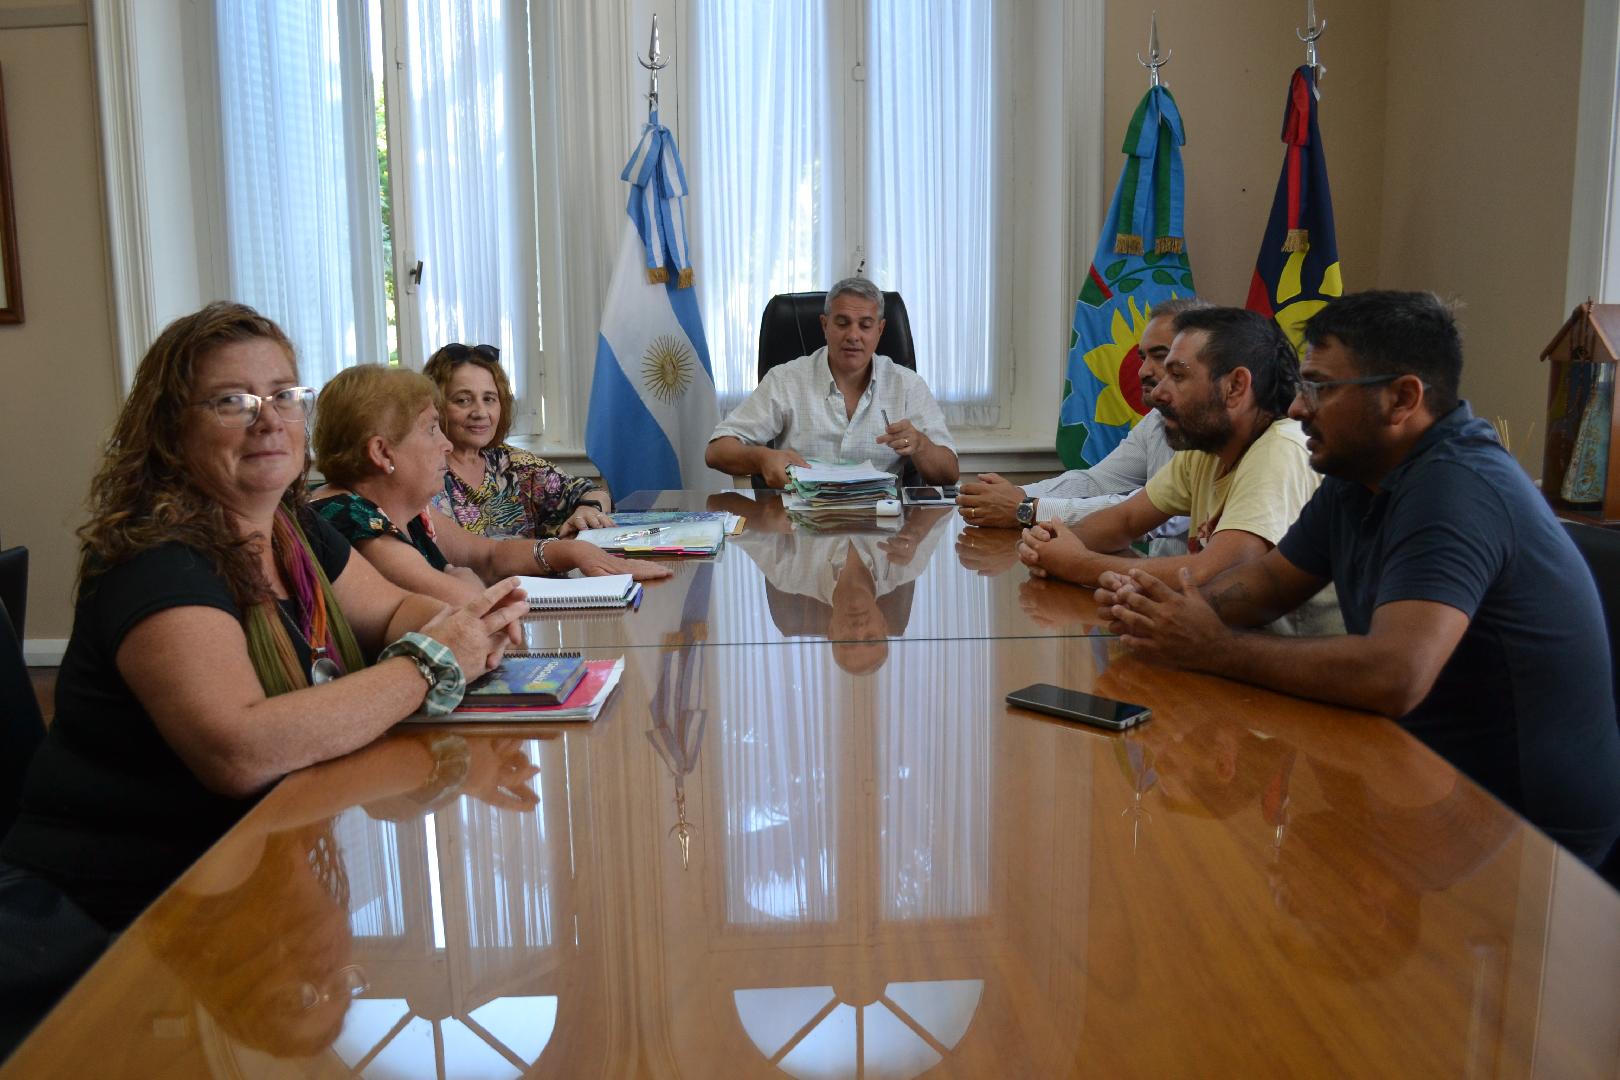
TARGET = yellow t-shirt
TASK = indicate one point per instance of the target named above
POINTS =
(1262, 495)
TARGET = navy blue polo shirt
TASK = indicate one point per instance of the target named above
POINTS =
(1525, 705)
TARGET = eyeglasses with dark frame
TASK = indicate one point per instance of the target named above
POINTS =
(242, 410)
(1311, 390)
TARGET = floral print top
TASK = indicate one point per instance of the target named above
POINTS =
(358, 518)
(522, 495)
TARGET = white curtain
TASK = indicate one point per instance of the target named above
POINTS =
(773, 187)
(471, 178)
(762, 166)
(303, 220)
(930, 179)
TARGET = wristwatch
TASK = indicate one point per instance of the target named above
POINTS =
(1026, 513)
(438, 666)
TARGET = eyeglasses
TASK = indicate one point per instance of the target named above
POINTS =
(241, 410)
(458, 352)
(1311, 391)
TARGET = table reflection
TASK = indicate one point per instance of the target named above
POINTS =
(861, 589)
(758, 864)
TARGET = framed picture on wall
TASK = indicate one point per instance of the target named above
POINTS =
(11, 309)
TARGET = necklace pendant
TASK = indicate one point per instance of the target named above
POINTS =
(323, 668)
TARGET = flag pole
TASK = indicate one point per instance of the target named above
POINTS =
(654, 62)
(1154, 62)
(1309, 35)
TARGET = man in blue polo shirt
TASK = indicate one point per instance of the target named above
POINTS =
(1471, 616)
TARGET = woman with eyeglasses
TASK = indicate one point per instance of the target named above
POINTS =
(491, 488)
(379, 445)
(222, 635)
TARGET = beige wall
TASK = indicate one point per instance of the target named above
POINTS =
(60, 390)
(1229, 73)
(1449, 129)
(1479, 173)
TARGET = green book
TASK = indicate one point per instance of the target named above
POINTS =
(542, 679)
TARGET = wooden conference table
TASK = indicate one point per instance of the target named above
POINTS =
(808, 838)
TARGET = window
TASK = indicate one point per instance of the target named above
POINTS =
(304, 155)
(827, 146)
(378, 176)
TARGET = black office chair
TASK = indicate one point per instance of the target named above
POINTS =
(791, 327)
(14, 588)
(22, 726)
(1600, 548)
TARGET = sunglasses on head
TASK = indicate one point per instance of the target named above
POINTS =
(457, 351)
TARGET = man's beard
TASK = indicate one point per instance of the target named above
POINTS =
(1206, 427)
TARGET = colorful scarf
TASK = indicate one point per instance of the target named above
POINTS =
(322, 624)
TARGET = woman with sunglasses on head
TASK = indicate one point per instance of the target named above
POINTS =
(214, 617)
(379, 445)
(491, 488)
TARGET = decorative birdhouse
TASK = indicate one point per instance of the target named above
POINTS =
(1580, 473)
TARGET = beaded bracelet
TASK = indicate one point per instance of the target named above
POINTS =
(540, 554)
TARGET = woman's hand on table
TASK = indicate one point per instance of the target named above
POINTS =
(479, 632)
(592, 561)
(587, 515)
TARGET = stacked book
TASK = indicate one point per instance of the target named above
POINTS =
(539, 686)
(827, 496)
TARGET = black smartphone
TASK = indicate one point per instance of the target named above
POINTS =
(1074, 705)
(931, 496)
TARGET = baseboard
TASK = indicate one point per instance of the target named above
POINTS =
(44, 652)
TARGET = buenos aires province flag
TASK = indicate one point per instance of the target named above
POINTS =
(1141, 259)
(652, 406)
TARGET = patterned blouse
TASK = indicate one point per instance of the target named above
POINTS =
(358, 518)
(522, 495)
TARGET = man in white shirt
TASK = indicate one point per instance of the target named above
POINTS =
(994, 502)
(839, 404)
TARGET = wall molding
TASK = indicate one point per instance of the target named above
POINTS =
(44, 652)
(129, 241)
(44, 16)
(1592, 224)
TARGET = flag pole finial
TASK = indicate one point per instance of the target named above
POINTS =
(1154, 61)
(1312, 31)
(655, 61)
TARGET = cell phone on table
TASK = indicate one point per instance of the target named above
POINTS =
(1073, 705)
(923, 496)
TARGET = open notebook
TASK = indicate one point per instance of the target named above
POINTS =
(558, 594)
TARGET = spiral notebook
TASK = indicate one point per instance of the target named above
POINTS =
(558, 594)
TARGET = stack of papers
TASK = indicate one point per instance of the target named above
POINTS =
(825, 495)
(733, 523)
(673, 538)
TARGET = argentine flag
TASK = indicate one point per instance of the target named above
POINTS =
(652, 401)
